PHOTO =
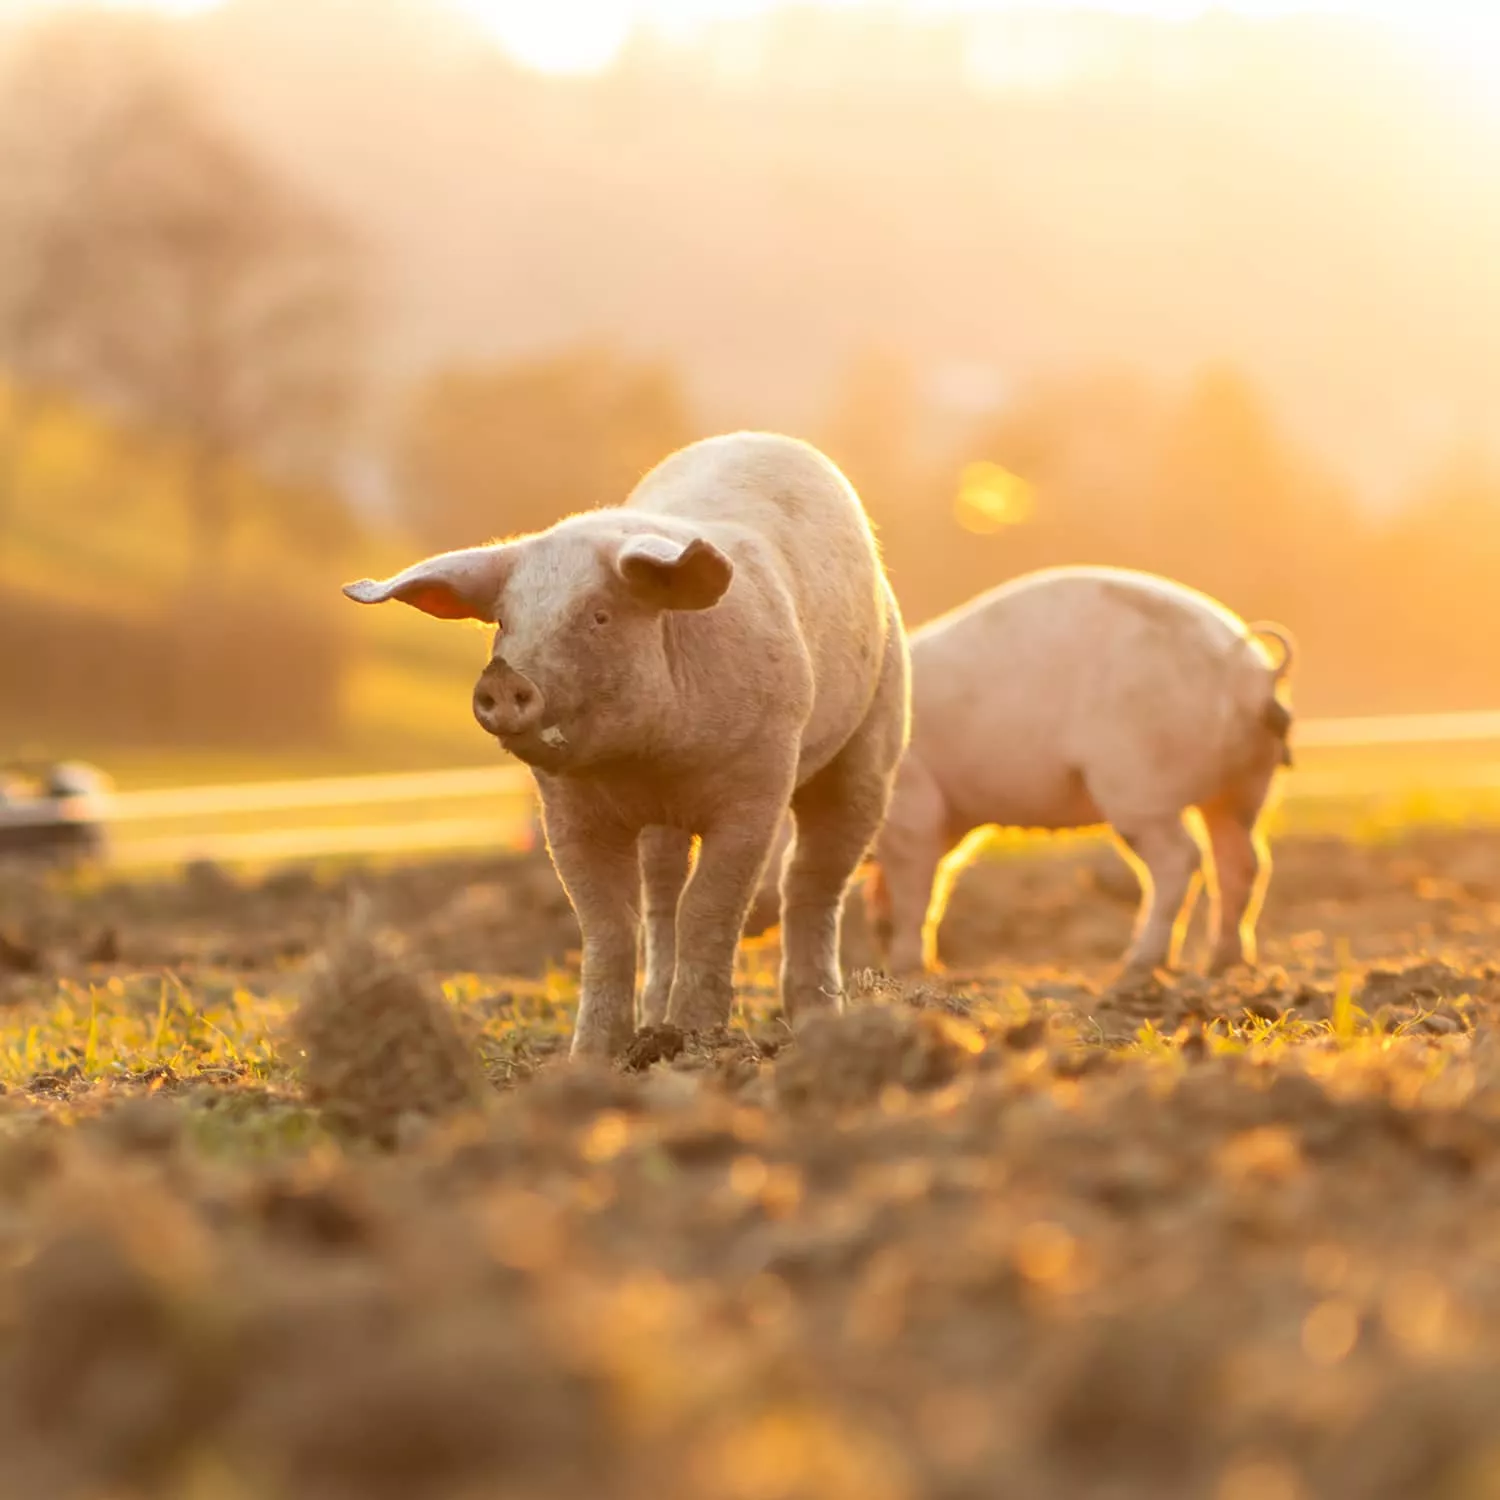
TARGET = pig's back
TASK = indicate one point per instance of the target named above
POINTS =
(796, 529)
(1019, 692)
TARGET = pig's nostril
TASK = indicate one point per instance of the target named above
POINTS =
(505, 703)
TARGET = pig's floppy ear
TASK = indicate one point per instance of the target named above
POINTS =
(453, 585)
(672, 574)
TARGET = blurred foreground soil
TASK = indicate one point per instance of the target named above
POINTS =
(300, 1198)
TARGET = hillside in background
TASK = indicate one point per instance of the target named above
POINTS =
(1053, 193)
(292, 292)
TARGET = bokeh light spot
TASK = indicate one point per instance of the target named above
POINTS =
(991, 498)
(1330, 1331)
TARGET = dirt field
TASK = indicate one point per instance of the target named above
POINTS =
(288, 1208)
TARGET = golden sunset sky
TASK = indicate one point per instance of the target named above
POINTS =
(584, 35)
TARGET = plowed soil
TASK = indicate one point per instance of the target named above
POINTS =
(300, 1198)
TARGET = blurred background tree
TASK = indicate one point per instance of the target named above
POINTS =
(514, 447)
(178, 323)
(161, 272)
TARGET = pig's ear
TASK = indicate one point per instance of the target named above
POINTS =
(453, 585)
(672, 574)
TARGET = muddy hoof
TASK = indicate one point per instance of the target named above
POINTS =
(1133, 977)
(1219, 968)
(595, 1045)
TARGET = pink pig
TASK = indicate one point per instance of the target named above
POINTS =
(1078, 696)
(692, 664)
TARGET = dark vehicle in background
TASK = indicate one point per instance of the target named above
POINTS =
(55, 811)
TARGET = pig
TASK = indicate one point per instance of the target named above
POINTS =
(681, 672)
(1079, 696)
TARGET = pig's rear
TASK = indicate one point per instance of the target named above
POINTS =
(1055, 699)
(1083, 696)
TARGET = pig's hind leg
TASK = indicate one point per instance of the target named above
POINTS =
(1169, 864)
(1242, 870)
(916, 880)
(836, 815)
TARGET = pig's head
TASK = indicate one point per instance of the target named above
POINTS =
(579, 674)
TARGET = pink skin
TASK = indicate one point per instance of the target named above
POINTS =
(1075, 697)
(718, 651)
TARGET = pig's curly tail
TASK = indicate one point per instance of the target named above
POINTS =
(1266, 630)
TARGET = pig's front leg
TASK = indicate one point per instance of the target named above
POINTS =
(712, 916)
(602, 878)
(666, 856)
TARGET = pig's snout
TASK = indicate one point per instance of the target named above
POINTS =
(507, 703)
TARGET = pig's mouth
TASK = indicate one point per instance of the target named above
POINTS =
(545, 749)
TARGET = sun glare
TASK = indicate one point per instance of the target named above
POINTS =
(556, 36)
(579, 36)
(1467, 37)
(583, 36)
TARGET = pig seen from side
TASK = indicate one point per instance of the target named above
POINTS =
(1073, 697)
(679, 672)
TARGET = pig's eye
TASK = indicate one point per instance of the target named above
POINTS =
(601, 617)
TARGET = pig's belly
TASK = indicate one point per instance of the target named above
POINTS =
(1042, 797)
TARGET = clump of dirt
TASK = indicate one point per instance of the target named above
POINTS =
(431, 1408)
(654, 1044)
(313, 1212)
(1131, 1394)
(17, 955)
(107, 1374)
(866, 985)
(377, 1044)
(846, 1060)
(723, 1056)
(316, 1335)
(147, 1124)
(1424, 984)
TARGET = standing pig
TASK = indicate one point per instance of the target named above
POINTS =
(720, 648)
(1072, 697)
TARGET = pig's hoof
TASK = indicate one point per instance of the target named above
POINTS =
(701, 1010)
(800, 1002)
(1229, 963)
(654, 1008)
(1140, 974)
(595, 1044)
